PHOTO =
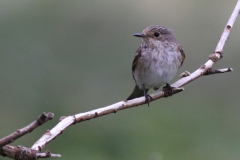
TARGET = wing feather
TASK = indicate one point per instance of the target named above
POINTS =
(182, 54)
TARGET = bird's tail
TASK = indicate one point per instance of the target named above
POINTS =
(137, 92)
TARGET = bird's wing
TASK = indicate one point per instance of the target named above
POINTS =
(137, 92)
(182, 54)
(136, 58)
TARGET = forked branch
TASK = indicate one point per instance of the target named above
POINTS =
(65, 122)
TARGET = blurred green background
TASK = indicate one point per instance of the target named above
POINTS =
(69, 57)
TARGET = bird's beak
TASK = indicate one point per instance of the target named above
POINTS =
(139, 35)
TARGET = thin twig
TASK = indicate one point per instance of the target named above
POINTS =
(215, 71)
(47, 154)
(43, 118)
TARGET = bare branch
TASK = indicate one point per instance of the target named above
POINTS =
(53, 133)
(23, 153)
(208, 72)
(43, 118)
(215, 71)
(64, 123)
(19, 152)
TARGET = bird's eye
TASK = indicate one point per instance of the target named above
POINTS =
(156, 34)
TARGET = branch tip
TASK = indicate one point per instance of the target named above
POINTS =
(44, 117)
(215, 71)
(179, 89)
(47, 154)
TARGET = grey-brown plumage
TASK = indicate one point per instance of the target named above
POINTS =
(156, 60)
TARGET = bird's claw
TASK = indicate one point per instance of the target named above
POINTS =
(147, 96)
(168, 90)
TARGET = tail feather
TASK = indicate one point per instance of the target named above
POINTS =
(137, 92)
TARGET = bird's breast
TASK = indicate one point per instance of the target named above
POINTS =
(156, 67)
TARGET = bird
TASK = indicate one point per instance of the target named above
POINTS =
(156, 61)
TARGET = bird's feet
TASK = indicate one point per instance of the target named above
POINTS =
(147, 96)
(168, 90)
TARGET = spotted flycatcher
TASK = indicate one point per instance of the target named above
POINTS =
(156, 61)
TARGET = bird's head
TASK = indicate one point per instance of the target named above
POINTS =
(153, 35)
